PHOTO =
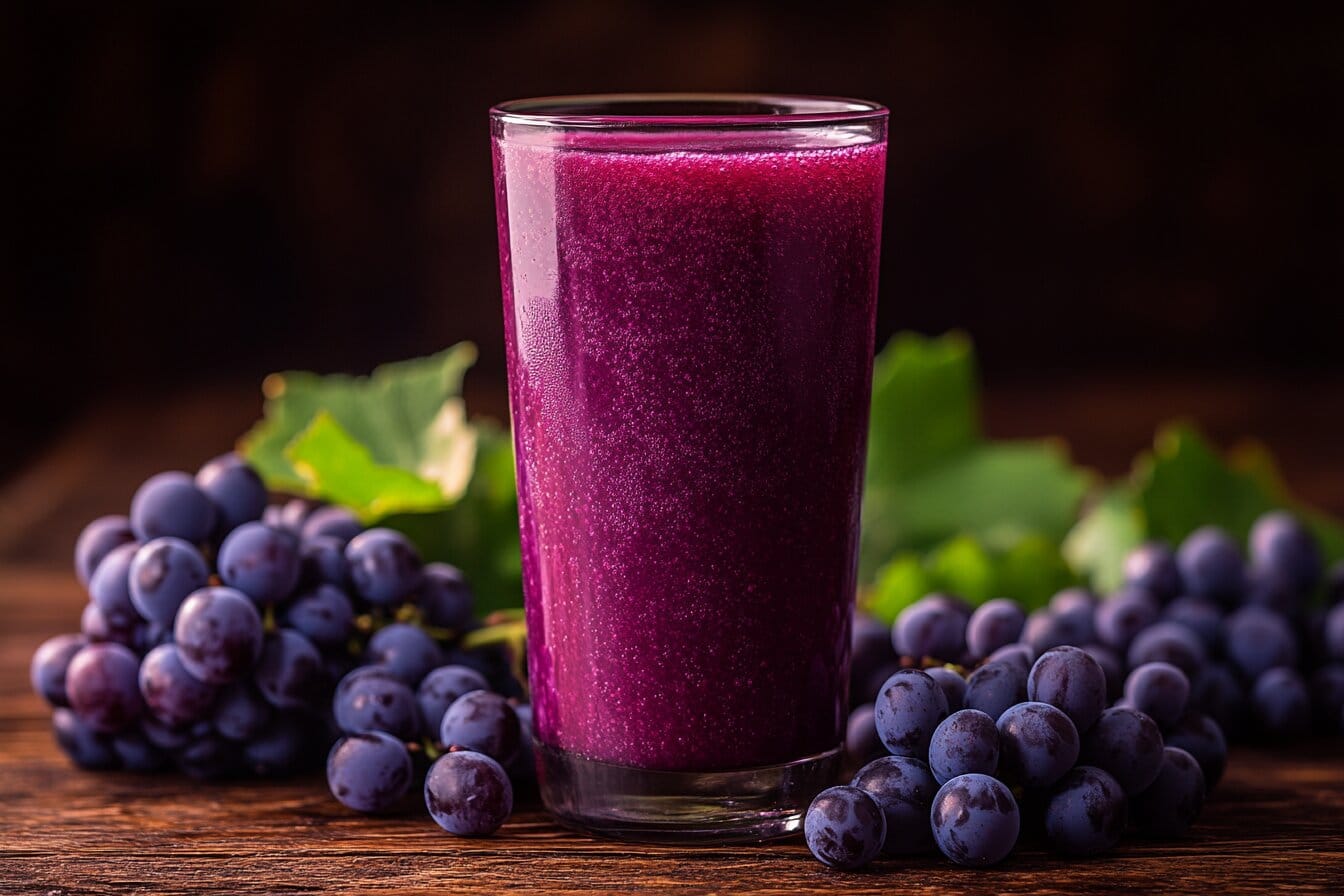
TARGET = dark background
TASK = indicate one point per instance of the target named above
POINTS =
(201, 193)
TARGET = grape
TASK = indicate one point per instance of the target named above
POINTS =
(261, 562)
(446, 600)
(110, 588)
(1200, 616)
(171, 504)
(1270, 590)
(163, 736)
(1111, 666)
(440, 689)
(908, 708)
(1086, 812)
(218, 635)
(162, 573)
(137, 753)
(1038, 743)
(1017, 654)
(996, 686)
(1044, 630)
(1280, 702)
(1284, 549)
(369, 771)
(1074, 608)
(86, 747)
(95, 626)
(333, 522)
(97, 540)
(965, 742)
(279, 749)
(484, 722)
(1159, 690)
(241, 713)
(953, 685)
(208, 757)
(369, 699)
(903, 789)
(931, 627)
(1257, 639)
(1201, 737)
(994, 624)
(49, 664)
(1211, 566)
(1167, 642)
(322, 562)
(1334, 584)
(1334, 632)
(405, 651)
(862, 745)
(290, 516)
(866, 691)
(1218, 693)
(172, 694)
(1070, 680)
(1152, 566)
(1127, 744)
(1123, 615)
(323, 615)
(468, 794)
(101, 685)
(1173, 801)
(384, 566)
(844, 827)
(975, 820)
(235, 490)
(290, 673)
(1327, 697)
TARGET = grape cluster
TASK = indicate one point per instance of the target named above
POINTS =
(1089, 716)
(226, 636)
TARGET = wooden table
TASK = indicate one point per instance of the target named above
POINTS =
(1276, 824)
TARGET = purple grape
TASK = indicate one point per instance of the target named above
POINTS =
(1017, 654)
(1070, 680)
(332, 521)
(209, 757)
(1167, 642)
(1172, 803)
(241, 713)
(1044, 630)
(235, 490)
(871, 655)
(908, 709)
(953, 685)
(218, 634)
(1201, 737)
(484, 722)
(1257, 639)
(280, 749)
(1212, 566)
(931, 627)
(369, 772)
(171, 504)
(966, 742)
(446, 600)
(110, 588)
(440, 689)
(844, 828)
(1283, 549)
(164, 737)
(261, 562)
(1218, 693)
(172, 694)
(1123, 615)
(163, 573)
(137, 753)
(1327, 697)
(994, 624)
(975, 820)
(903, 789)
(1085, 813)
(290, 516)
(323, 615)
(1127, 744)
(1038, 743)
(49, 664)
(996, 686)
(468, 794)
(1152, 567)
(1280, 702)
(322, 562)
(96, 627)
(97, 541)
(384, 566)
(86, 747)
(370, 699)
(1334, 632)
(290, 673)
(405, 651)
(1159, 690)
(1200, 616)
(101, 684)
(862, 745)
(1111, 665)
(1074, 608)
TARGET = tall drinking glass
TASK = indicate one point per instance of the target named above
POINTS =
(689, 289)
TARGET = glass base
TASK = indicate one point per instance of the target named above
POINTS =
(746, 805)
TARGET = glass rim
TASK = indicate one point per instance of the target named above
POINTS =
(740, 110)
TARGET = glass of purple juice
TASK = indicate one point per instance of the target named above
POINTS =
(689, 291)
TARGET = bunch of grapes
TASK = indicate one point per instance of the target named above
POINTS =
(225, 637)
(1089, 716)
